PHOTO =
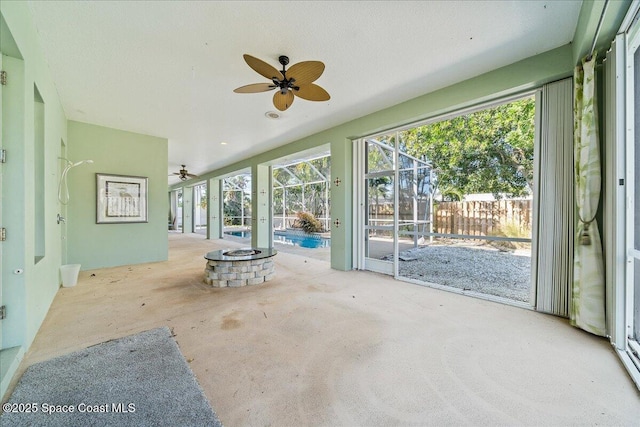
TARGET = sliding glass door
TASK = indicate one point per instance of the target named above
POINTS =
(633, 224)
(379, 204)
(633, 195)
(435, 198)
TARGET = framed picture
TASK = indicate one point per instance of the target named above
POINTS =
(121, 199)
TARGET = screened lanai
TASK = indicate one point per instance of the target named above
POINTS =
(413, 194)
(448, 203)
(302, 186)
(236, 193)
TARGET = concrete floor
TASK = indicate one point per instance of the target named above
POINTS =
(317, 346)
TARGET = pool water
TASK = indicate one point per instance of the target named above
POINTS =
(302, 241)
(290, 239)
(243, 234)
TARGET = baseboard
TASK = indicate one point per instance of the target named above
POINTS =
(10, 359)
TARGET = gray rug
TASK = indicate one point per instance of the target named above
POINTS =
(139, 380)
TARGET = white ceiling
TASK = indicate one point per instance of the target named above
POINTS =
(168, 68)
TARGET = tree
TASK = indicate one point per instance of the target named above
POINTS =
(489, 151)
(237, 200)
(203, 197)
(379, 187)
(304, 186)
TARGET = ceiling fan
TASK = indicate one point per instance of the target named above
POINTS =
(184, 174)
(298, 80)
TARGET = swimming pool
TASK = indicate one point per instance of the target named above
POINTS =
(304, 241)
(243, 234)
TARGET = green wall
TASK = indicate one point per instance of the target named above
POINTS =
(35, 241)
(29, 294)
(588, 23)
(120, 153)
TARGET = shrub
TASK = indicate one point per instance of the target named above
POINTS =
(308, 222)
(511, 229)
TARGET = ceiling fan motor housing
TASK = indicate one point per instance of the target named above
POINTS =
(284, 84)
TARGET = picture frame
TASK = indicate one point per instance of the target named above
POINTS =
(121, 199)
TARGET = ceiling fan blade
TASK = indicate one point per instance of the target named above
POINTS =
(192, 175)
(283, 101)
(255, 88)
(263, 68)
(305, 72)
(312, 92)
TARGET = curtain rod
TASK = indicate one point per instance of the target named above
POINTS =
(595, 36)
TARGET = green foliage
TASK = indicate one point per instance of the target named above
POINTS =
(302, 187)
(380, 186)
(308, 223)
(489, 151)
(237, 199)
(515, 229)
(380, 158)
(379, 189)
(512, 229)
(203, 196)
(278, 198)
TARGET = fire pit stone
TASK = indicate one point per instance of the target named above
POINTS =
(239, 267)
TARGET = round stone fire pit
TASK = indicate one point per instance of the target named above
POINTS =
(239, 267)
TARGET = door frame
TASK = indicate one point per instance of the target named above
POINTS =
(361, 212)
(630, 145)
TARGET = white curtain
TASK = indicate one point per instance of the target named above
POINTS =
(587, 308)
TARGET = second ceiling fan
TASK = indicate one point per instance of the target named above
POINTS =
(184, 174)
(297, 80)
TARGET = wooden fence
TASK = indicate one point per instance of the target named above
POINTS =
(495, 218)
